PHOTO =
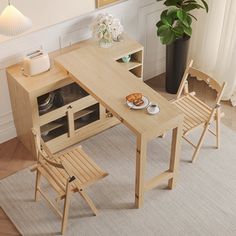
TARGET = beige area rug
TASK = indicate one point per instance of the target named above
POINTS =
(203, 203)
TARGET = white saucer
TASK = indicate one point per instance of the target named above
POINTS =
(145, 104)
(153, 112)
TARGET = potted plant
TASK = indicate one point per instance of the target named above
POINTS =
(175, 30)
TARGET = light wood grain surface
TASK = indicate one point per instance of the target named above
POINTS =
(110, 83)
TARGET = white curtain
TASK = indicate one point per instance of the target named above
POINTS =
(213, 44)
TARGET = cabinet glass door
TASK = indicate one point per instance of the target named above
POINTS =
(55, 99)
(54, 129)
(86, 116)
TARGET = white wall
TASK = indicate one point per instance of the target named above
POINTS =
(55, 11)
(137, 16)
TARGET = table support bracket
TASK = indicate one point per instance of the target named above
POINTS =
(152, 183)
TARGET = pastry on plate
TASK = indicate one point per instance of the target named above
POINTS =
(134, 97)
(139, 102)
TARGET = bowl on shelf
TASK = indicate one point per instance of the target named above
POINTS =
(126, 59)
(45, 102)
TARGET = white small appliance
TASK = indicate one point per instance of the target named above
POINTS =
(36, 63)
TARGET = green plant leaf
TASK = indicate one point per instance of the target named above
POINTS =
(168, 39)
(188, 31)
(179, 31)
(192, 16)
(189, 2)
(205, 5)
(171, 2)
(172, 12)
(159, 23)
(191, 7)
(166, 19)
(182, 16)
(163, 30)
(189, 20)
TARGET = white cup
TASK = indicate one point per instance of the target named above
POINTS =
(153, 109)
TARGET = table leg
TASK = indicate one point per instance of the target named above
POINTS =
(175, 154)
(141, 154)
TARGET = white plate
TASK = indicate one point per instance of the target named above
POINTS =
(145, 104)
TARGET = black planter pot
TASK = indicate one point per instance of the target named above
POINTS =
(176, 59)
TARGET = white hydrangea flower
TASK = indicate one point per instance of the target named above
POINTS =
(107, 27)
(102, 27)
(100, 35)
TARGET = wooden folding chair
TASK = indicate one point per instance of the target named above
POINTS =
(197, 113)
(67, 173)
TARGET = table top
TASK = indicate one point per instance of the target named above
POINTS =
(99, 74)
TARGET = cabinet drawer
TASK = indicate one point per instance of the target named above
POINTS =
(60, 112)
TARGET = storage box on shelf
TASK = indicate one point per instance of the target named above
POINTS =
(62, 111)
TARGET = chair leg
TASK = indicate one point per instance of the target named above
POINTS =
(218, 128)
(37, 185)
(199, 143)
(65, 210)
(89, 201)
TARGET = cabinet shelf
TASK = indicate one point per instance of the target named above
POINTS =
(50, 126)
(53, 127)
(63, 129)
(130, 65)
(86, 116)
(79, 123)
(82, 113)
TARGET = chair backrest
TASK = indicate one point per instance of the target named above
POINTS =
(199, 75)
(45, 155)
(44, 152)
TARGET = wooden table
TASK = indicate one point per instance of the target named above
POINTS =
(94, 69)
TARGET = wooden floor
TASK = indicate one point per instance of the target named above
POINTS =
(14, 156)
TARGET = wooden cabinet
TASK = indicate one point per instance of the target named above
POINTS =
(62, 111)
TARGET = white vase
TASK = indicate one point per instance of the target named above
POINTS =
(104, 43)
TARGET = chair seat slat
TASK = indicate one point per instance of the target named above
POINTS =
(192, 112)
(76, 159)
(190, 120)
(196, 104)
(201, 114)
(88, 159)
(87, 164)
(203, 105)
(77, 170)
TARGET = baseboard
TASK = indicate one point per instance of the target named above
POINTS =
(7, 127)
